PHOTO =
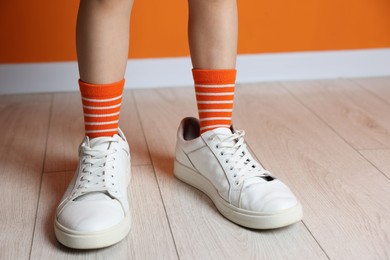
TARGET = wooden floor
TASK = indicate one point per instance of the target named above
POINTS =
(328, 140)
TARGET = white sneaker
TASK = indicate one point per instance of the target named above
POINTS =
(94, 211)
(219, 164)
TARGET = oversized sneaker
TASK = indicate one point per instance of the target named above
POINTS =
(218, 163)
(94, 211)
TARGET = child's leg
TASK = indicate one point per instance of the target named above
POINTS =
(102, 50)
(218, 162)
(212, 31)
(103, 39)
(213, 44)
(94, 211)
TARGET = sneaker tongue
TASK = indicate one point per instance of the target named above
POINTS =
(99, 143)
(222, 131)
(94, 196)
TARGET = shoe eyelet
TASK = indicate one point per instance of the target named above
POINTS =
(231, 168)
(221, 153)
(227, 161)
(236, 182)
(216, 146)
(234, 175)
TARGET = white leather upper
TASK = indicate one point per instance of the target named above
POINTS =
(96, 198)
(221, 156)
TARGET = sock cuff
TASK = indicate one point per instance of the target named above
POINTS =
(90, 90)
(214, 77)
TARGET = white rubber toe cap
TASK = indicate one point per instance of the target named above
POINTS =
(266, 197)
(91, 216)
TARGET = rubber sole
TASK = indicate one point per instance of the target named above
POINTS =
(246, 218)
(92, 240)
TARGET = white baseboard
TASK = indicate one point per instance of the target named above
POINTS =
(173, 72)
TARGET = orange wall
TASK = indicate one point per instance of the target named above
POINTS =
(34, 31)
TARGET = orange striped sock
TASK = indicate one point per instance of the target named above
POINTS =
(101, 106)
(214, 95)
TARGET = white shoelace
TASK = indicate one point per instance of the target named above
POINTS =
(239, 158)
(97, 169)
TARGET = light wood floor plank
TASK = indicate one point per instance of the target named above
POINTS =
(67, 131)
(379, 86)
(24, 121)
(361, 118)
(200, 232)
(380, 158)
(346, 200)
(149, 238)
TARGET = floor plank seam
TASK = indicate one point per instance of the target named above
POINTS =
(316, 115)
(384, 174)
(332, 129)
(43, 168)
(154, 171)
(315, 239)
(361, 86)
(311, 234)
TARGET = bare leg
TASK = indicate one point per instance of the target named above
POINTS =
(212, 32)
(102, 47)
(103, 39)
